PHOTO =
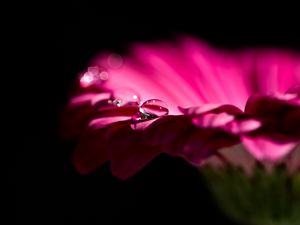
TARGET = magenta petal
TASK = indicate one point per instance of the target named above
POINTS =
(212, 120)
(261, 106)
(197, 147)
(106, 121)
(209, 87)
(75, 120)
(211, 108)
(242, 126)
(117, 111)
(128, 152)
(263, 148)
(90, 152)
(276, 71)
(294, 90)
(291, 123)
(204, 143)
(166, 129)
(142, 125)
(82, 99)
(132, 159)
(199, 109)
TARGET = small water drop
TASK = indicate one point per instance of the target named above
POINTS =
(139, 117)
(125, 96)
(154, 107)
(117, 102)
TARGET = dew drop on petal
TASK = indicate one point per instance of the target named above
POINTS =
(140, 121)
(154, 107)
(125, 96)
(138, 117)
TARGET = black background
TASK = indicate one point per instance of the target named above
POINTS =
(58, 42)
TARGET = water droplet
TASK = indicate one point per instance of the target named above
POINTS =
(139, 117)
(93, 75)
(140, 121)
(154, 107)
(125, 96)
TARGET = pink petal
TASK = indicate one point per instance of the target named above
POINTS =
(295, 89)
(218, 75)
(263, 148)
(242, 126)
(91, 151)
(128, 152)
(211, 108)
(117, 111)
(106, 121)
(267, 106)
(277, 71)
(211, 120)
(202, 144)
(199, 109)
(140, 126)
(75, 120)
(166, 129)
(82, 99)
(291, 123)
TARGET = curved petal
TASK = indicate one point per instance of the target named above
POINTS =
(127, 151)
(207, 86)
(91, 151)
(267, 149)
(204, 143)
(166, 129)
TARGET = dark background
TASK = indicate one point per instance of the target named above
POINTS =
(58, 42)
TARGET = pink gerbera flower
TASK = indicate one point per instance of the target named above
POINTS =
(185, 99)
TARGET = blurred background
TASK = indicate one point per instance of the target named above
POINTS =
(48, 190)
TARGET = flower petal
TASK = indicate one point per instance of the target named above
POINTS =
(106, 121)
(204, 143)
(128, 152)
(263, 148)
(91, 151)
(291, 123)
(166, 129)
(211, 120)
(211, 108)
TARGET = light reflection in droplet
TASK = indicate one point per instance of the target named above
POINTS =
(148, 111)
(139, 117)
(154, 107)
(125, 96)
